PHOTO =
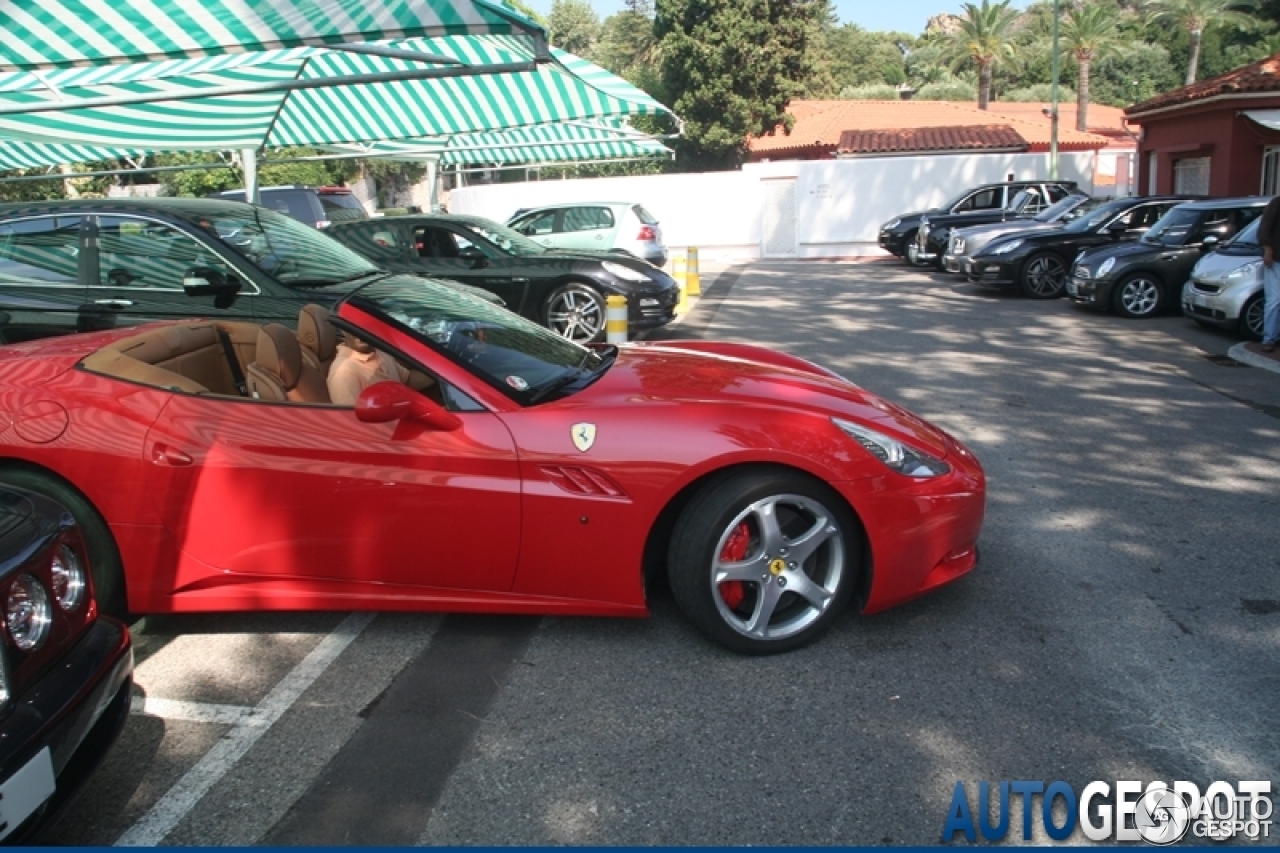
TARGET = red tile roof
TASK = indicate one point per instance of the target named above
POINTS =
(978, 137)
(1260, 77)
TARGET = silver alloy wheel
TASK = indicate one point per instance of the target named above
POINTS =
(1251, 318)
(1138, 296)
(577, 313)
(790, 573)
(1045, 277)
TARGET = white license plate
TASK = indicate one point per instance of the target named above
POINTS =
(1199, 301)
(24, 791)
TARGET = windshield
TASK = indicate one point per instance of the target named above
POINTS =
(286, 249)
(525, 361)
(1067, 209)
(1097, 214)
(508, 240)
(1173, 228)
(1246, 239)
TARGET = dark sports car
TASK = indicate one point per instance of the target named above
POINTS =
(564, 289)
(1037, 262)
(65, 670)
(1142, 278)
(529, 475)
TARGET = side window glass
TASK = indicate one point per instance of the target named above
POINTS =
(539, 225)
(587, 218)
(436, 243)
(1056, 193)
(1247, 215)
(378, 243)
(142, 254)
(43, 251)
(1217, 223)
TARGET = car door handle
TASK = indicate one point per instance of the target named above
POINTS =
(113, 303)
(162, 454)
(1167, 257)
(519, 281)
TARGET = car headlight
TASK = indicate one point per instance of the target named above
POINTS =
(28, 613)
(624, 272)
(1107, 266)
(893, 453)
(68, 578)
(1006, 248)
(892, 223)
(1247, 272)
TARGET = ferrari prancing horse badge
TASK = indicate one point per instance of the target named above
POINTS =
(584, 435)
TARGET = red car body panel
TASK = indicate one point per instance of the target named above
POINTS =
(222, 503)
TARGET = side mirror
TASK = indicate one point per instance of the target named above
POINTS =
(207, 281)
(1210, 242)
(385, 402)
(1117, 229)
(475, 256)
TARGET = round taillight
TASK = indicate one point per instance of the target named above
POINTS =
(68, 578)
(28, 613)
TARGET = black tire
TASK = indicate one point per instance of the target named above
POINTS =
(1044, 276)
(756, 614)
(104, 558)
(1138, 296)
(1251, 317)
(577, 312)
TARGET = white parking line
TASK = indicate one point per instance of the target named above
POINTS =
(197, 712)
(248, 728)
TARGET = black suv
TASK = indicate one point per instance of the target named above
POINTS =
(933, 237)
(85, 264)
(316, 206)
(897, 233)
(1143, 278)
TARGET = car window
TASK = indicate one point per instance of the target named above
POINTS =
(587, 218)
(434, 242)
(147, 255)
(1174, 228)
(987, 199)
(377, 241)
(294, 254)
(45, 250)
(1247, 237)
(537, 224)
(1145, 215)
(645, 217)
(1218, 223)
(1057, 192)
(302, 205)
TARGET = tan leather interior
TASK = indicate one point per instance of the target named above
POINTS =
(188, 357)
(318, 337)
(279, 372)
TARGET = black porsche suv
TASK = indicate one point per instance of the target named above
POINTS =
(897, 233)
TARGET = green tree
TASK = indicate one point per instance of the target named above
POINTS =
(1088, 33)
(628, 47)
(573, 26)
(1196, 16)
(984, 35)
(730, 67)
(863, 58)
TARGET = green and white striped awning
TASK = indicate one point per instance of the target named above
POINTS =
(38, 35)
(313, 96)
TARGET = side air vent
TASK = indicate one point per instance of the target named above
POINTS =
(582, 481)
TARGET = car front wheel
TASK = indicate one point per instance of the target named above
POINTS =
(1251, 317)
(1139, 295)
(764, 561)
(576, 312)
(1044, 276)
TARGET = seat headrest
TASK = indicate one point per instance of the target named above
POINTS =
(279, 353)
(316, 333)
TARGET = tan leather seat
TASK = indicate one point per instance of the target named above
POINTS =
(318, 337)
(278, 371)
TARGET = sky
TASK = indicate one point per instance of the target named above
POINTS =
(906, 15)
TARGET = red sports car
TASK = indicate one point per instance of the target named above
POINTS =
(500, 468)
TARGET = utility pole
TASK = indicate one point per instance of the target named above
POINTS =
(1053, 110)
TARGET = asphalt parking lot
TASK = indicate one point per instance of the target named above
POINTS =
(1124, 623)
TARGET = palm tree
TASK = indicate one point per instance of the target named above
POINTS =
(1089, 32)
(1198, 15)
(983, 36)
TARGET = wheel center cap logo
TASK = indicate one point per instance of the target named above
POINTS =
(777, 566)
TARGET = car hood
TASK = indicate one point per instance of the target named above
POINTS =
(1127, 251)
(692, 373)
(996, 229)
(1216, 265)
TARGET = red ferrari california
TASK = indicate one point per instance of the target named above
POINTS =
(501, 469)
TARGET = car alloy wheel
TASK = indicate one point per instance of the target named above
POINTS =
(576, 312)
(762, 562)
(1251, 317)
(1138, 296)
(1044, 276)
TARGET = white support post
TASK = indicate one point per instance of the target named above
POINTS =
(249, 161)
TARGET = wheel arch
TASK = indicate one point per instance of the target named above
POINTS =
(654, 558)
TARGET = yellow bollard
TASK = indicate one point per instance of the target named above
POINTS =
(616, 320)
(682, 304)
(693, 283)
(678, 271)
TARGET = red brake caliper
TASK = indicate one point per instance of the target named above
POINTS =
(735, 550)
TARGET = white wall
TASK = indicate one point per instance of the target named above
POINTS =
(839, 204)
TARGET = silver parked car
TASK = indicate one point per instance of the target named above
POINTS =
(1225, 288)
(966, 242)
(600, 226)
